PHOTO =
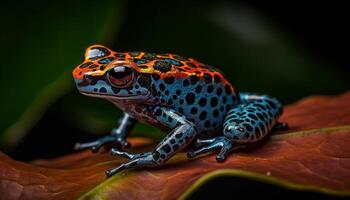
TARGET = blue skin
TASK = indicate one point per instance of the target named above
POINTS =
(189, 110)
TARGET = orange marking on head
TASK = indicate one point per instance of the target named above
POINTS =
(190, 66)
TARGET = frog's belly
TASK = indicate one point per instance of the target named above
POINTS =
(203, 131)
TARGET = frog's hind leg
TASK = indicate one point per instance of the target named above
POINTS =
(183, 132)
(247, 122)
(253, 118)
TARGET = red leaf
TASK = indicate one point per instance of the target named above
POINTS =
(314, 154)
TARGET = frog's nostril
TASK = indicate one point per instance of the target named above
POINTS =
(85, 81)
(87, 77)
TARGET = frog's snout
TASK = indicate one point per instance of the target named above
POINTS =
(81, 82)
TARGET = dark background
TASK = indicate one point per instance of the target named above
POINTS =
(288, 49)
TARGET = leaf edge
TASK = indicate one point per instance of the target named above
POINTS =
(279, 182)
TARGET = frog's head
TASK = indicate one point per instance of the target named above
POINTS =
(110, 75)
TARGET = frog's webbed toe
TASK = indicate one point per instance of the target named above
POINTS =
(220, 143)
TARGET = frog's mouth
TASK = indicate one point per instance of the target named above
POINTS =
(116, 97)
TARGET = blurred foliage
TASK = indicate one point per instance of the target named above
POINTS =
(253, 51)
(45, 43)
(41, 45)
(254, 54)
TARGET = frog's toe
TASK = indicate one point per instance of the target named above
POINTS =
(94, 146)
(126, 144)
(221, 158)
(191, 154)
(116, 152)
(202, 142)
(219, 143)
(139, 160)
(212, 147)
(82, 146)
(107, 141)
(224, 152)
(120, 168)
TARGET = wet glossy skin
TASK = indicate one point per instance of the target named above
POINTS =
(177, 94)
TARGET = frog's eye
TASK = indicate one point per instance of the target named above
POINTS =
(95, 52)
(120, 76)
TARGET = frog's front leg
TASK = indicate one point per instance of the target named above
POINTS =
(183, 132)
(116, 137)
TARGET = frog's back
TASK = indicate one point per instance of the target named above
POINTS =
(194, 89)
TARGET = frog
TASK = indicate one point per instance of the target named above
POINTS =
(192, 102)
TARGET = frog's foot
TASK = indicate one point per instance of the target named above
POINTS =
(146, 160)
(116, 152)
(108, 140)
(220, 143)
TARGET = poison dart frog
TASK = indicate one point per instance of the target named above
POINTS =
(191, 101)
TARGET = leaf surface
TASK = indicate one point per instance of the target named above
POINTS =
(314, 154)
